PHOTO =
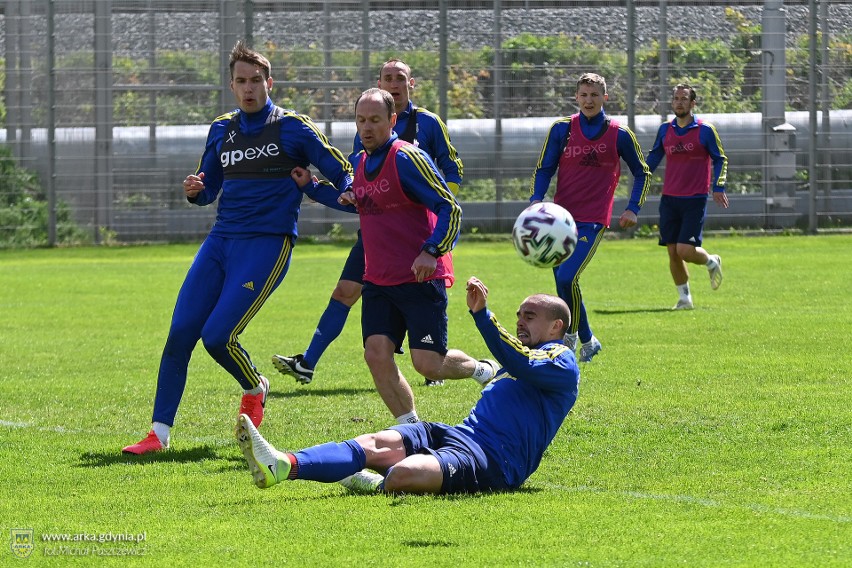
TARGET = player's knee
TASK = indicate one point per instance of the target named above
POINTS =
(428, 366)
(179, 342)
(214, 342)
(401, 478)
(347, 292)
(684, 251)
(381, 449)
(376, 358)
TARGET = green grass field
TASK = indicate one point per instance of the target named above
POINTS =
(716, 437)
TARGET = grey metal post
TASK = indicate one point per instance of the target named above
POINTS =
(152, 65)
(366, 72)
(12, 88)
(631, 64)
(51, 125)
(664, 60)
(248, 22)
(26, 78)
(812, 117)
(825, 97)
(327, 47)
(103, 116)
(443, 68)
(780, 159)
(498, 104)
(227, 40)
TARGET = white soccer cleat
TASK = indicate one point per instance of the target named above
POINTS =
(570, 340)
(364, 481)
(684, 304)
(715, 272)
(268, 466)
(590, 349)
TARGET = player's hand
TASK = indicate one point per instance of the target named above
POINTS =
(347, 198)
(193, 185)
(302, 176)
(627, 219)
(721, 199)
(477, 294)
(424, 265)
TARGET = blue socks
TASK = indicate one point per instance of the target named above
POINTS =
(331, 462)
(328, 329)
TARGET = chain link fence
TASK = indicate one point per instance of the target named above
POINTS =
(106, 103)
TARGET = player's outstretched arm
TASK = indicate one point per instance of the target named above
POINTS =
(477, 294)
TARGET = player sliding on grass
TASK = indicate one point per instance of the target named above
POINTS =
(497, 447)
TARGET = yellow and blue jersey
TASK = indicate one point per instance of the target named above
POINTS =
(520, 413)
(254, 205)
(707, 136)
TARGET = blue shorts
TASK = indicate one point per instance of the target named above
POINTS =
(420, 309)
(355, 265)
(465, 466)
(682, 220)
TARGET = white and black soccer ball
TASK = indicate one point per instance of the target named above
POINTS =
(544, 235)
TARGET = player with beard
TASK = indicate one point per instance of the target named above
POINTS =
(695, 161)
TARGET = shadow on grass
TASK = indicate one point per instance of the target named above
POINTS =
(402, 499)
(634, 311)
(428, 544)
(307, 390)
(99, 459)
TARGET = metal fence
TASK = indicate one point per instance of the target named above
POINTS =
(108, 101)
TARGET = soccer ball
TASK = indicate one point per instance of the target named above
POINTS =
(544, 235)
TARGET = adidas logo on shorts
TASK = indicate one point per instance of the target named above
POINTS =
(427, 339)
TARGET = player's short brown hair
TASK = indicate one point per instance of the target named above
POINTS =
(241, 52)
(592, 79)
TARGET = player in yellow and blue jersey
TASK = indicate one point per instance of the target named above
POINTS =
(496, 448)
(255, 163)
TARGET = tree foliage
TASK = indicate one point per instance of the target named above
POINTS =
(24, 212)
(538, 75)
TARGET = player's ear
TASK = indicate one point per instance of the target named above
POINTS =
(556, 328)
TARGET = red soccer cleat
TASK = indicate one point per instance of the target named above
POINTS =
(252, 404)
(151, 443)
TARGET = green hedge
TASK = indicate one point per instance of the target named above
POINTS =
(24, 211)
